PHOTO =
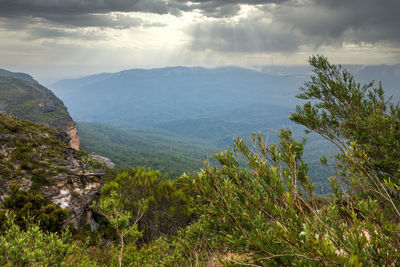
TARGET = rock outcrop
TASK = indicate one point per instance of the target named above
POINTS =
(72, 132)
(104, 160)
(38, 158)
(75, 190)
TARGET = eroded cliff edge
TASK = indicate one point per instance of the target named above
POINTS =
(72, 132)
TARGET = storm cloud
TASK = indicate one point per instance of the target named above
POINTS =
(210, 32)
(330, 22)
(218, 8)
(290, 25)
(45, 8)
(245, 36)
(51, 8)
(72, 13)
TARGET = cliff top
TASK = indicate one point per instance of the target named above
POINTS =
(27, 99)
(38, 158)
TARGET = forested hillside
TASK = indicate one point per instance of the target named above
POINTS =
(261, 213)
(145, 147)
(23, 97)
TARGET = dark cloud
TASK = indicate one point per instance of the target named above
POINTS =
(44, 33)
(118, 21)
(217, 8)
(79, 28)
(42, 8)
(115, 21)
(277, 26)
(287, 26)
(80, 13)
(49, 9)
(26, 30)
(41, 19)
(337, 21)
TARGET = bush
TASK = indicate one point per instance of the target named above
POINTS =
(166, 208)
(32, 246)
(268, 212)
(360, 121)
(27, 205)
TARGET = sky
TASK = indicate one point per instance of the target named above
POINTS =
(56, 39)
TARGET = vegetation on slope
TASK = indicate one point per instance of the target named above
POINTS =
(154, 148)
(265, 214)
(174, 155)
(24, 205)
(31, 101)
(30, 151)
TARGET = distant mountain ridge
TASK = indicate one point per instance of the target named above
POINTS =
(156, 97)
(389, 75)
(211, 106)
(139, 97)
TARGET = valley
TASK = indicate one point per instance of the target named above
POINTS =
(174, 118)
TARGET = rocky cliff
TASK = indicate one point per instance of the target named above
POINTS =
(23, 97)
(72, 132)
(39, 159)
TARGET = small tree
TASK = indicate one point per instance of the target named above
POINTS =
(121, 220)
(361, 122)
(267, 213)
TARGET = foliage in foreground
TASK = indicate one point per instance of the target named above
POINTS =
(163, 204)
(120, 220)
(24, 205)
(265, 214)
(34, 247)
(269, 212)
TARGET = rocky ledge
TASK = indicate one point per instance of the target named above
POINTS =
(38, 158)
(74, 189)
(75, 192)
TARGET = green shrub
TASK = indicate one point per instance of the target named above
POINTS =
(31, 247)
(359, 120)
(27, 205)
(34, 247)
(192, 245)
(167, 203)
(268, 212)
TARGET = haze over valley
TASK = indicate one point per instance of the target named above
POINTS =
(199, 133)
(196, 111)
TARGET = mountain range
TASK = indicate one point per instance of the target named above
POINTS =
(208, 107)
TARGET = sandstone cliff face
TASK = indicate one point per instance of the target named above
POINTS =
(75, 190)
(72, 132)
